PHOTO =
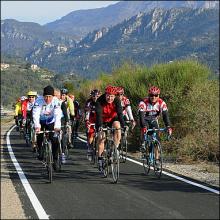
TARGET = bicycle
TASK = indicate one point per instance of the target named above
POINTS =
(110, 155)
(20, 127)
(148, 152)
(64, 137)
(47, 153)
(123, 147)
(29, 131)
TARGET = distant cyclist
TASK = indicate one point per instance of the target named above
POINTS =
(26, 108)
(108, 113)
(77, 117)
(70, 110)
(47, 115)
(64, 121)
(150, 109)
(18, 112)
(126, 105)
(90, 118)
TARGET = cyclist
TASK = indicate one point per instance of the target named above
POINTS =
(90, 118)
(108, 113)
(64, 119)
(47, 115)
(18, 112)
(26, 109)
(70, 109)
(126, 105)
(77, 117)
(150, 109)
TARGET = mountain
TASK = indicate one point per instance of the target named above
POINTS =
(79, 23)
(20, 38)
(157, 36)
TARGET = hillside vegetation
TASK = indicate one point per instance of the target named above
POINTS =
(192, 98)
(19, 78)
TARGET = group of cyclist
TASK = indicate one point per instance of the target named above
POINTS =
(56, 109)
(113, 109)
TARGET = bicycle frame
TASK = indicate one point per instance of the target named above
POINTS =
(111, 154)
(149, 160)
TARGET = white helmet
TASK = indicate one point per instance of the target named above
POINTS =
(23, 98)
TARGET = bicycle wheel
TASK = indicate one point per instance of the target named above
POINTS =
(158, 164)
(94, 153)
(115, 164)
(146, 159)
(49, 161)
(105, 164)
(123, 149)
(65, 145)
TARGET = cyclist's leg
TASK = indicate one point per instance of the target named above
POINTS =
(100, 142)
(39, 146)
(117, 133)
(154, 124)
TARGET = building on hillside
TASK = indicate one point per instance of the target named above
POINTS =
(34, 67)
(4, 66)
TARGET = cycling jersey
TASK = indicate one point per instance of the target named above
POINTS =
(18, 109)
(107, 112)
(78, 113)
(26, 108)
(90, 114)
(46, 114)
(151, 111)
(127, 112)
(70, 106)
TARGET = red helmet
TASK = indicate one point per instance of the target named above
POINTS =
(121, 90)
(112, 90)
(154, 90)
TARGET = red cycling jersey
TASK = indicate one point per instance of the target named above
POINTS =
(26, 107)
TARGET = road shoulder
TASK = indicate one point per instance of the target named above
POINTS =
(11, 206)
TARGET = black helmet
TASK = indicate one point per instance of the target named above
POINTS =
(64, 91)
(94, 92)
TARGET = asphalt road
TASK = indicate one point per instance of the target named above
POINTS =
(80, 192)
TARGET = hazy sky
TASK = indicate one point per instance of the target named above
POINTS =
(43, 12)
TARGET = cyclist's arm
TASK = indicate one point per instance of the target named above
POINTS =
(65, 113)
(36, 115)
(129, 111)
(119, 112)
(166, 118)
(98, 110)
(57, 116)
(24, 109)
(17, 109)
(70, 105)
(142, 120)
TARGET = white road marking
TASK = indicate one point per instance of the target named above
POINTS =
(172, 175)
(33, 198)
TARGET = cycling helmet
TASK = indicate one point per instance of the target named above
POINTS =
(72, 96)
(23, 98)
(121, 91)
(154, 90)
(112, 90)
(32, 93)
(64, 91)
(95, 92)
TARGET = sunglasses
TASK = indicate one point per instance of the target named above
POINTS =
(31, 97)
(153, 95)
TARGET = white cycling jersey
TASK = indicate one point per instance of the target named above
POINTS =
(44, 113)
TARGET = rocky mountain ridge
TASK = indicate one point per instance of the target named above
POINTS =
(159, 35)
